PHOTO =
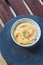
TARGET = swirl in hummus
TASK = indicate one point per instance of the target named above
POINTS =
(25, 33)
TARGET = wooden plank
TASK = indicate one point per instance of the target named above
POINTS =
(0, 27)
(35, 6)
(2, 61)
(5, 13)
(42, 0)
(18, 7)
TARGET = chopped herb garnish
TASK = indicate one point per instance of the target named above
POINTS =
(24, 33)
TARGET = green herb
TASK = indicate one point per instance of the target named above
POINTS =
(24, 33)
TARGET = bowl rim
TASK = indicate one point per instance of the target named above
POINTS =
(16, 23)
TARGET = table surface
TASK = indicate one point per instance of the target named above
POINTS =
(13, 8)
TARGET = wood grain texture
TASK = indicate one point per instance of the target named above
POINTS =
(5, 13)
(0, 27)
(18, 7)
(36, 7)
(2, 61)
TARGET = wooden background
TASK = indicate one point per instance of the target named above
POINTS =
(13, 8)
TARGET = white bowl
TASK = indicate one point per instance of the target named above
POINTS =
(26, 20)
